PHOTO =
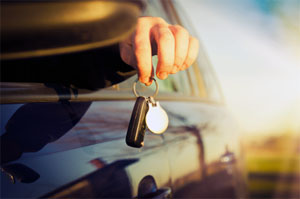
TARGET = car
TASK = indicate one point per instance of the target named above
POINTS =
(64, 141)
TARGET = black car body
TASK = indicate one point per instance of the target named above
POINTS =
(72, 141)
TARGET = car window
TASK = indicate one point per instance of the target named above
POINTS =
(155, 9)
(213, 90)
(182, 84)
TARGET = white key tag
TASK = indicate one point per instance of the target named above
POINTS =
(156, 119)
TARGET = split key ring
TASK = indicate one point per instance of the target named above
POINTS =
(137, 94)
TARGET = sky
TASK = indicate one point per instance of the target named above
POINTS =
(254, 47)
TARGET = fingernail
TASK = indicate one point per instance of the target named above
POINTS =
(148, 84)
(184, 66)
(174, 70)
(163, 75)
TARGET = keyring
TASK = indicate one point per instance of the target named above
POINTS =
(137, 94)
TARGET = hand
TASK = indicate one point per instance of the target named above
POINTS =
(175, 48)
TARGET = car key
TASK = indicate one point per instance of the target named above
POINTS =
(137, 125)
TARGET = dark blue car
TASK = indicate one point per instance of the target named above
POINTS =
(64, 141)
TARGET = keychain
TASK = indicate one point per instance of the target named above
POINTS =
(156, 118)
(146, 113)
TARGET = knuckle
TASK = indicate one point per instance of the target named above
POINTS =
(143, 20)
(179, 60)
(143, 24)
(166, 36)
(159, 26)
(140, 43)
(159, 20)
(165, 65)
(180, 30)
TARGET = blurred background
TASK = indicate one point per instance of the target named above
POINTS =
(254, 47)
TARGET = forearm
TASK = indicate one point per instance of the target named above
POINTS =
(92, 69)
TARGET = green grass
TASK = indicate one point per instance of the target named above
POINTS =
(274, 166)
(269, 164)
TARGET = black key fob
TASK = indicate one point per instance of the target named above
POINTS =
(137, 125)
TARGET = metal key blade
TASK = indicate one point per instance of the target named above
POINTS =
(137, 125)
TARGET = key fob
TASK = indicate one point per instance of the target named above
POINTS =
(157, 119)
(137, 125)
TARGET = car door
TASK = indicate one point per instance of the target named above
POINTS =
(75, 148)
(65, 149)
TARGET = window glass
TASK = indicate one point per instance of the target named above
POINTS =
(213, 89)
(209, 78)
(155, 9)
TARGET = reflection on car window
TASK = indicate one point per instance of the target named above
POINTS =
(213, 90)
(30, 127)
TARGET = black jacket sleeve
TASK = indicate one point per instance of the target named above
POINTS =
(91, 69)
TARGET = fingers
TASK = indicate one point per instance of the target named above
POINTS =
(181, 46)
(175, 48)
(193, 51)
(176, 51)
(142, 51)
(165, 50)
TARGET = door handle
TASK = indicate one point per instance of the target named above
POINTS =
(228, 157)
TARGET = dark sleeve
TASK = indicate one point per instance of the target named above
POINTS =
(91, 69)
